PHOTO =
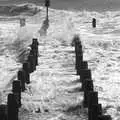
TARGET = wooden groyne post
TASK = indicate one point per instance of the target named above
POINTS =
(16, 89)
(3, 112)
(12, 107)
(21, 77)
(47, 4)
(78, 52)
(26, 67)
(34, 49)
(88, 86)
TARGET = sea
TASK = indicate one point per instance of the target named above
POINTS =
(54, 91)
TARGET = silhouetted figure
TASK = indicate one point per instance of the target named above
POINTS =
(94, 23)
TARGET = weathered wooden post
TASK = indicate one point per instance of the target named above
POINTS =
(96, 111)
(79, 59)
(12, 107)
(26, 67)
(34, 43)
(31, 60)
(35, 56)
(78, 52)
(88, 86)
(34, 48)
(85, 74)
(92, 100)
(82, 65)
(47, 4)
(3, 112)
(94, 23)
(78, 48)
(16, 89)
(21, 77)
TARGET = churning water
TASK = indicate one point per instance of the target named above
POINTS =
(53, 93)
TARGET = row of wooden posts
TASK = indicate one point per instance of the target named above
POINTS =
(10, 111)
(90, 96)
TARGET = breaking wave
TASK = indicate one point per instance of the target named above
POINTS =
(21, 9)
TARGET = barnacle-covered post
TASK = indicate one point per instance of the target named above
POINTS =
(47, 4)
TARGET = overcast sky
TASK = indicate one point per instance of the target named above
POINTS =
(75, 4)
(87, 4)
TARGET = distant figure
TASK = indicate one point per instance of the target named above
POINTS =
(94, 23)
(22, 22)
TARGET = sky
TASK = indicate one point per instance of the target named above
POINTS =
(87, 4)
(74, 4)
